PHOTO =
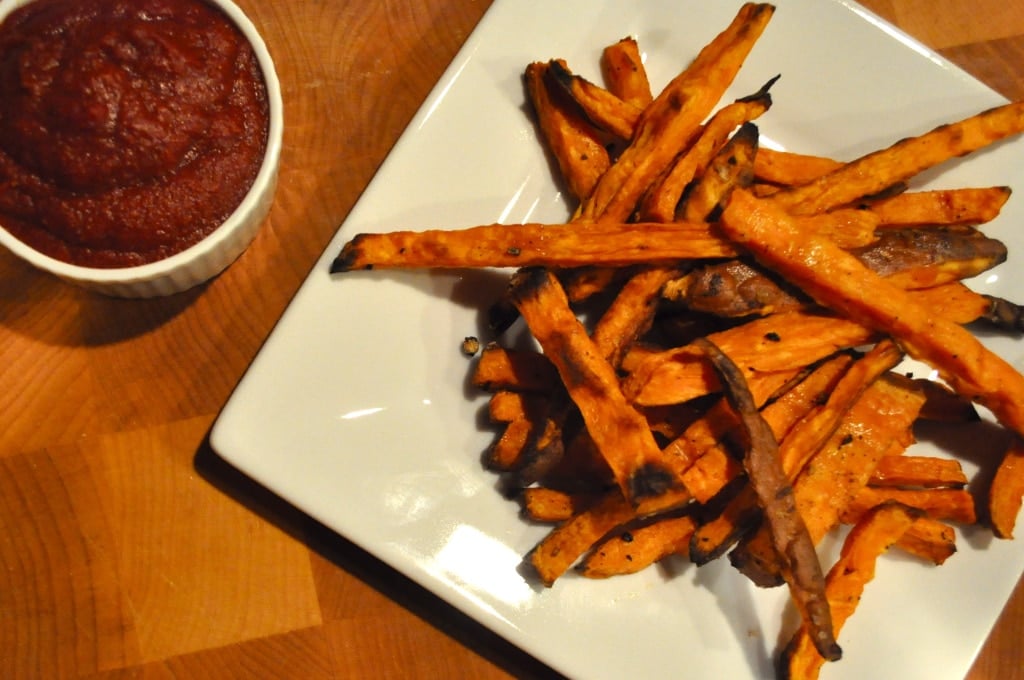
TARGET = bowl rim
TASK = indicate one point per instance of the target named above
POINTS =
(265, 179)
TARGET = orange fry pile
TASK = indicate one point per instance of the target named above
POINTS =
(733, 390)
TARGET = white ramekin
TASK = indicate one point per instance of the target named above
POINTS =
(207, 258)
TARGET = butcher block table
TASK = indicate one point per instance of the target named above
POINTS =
(127, 547)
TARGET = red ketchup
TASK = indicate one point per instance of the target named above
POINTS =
(129, 129)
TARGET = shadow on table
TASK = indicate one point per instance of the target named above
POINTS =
(357, 562)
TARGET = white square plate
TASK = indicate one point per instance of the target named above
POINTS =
(357, 408)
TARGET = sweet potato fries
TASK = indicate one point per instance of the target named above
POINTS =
(732, 387)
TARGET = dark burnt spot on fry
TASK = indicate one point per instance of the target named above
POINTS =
(772, 337)
(513, 251)
(626, 537)
(648, 481)
(348, 258)
(560, 73)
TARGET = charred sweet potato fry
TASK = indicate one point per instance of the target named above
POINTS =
(831, 452)
(602, 108)
(712, 467)
(618, 430)
(731, 167)
(907, 258)
(775, 494)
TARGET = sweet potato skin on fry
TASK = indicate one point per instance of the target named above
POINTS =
(838, 280)
(775, 494)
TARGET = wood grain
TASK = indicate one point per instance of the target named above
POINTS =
(129, 550)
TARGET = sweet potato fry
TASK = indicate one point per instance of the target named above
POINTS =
(776, 343)
(602, 108)
(673, 119)
(618, 430)
(838, 280)
(542, 504)
(787, 168)
(845, 583)
(713, 467)
(631, 312)
(1007, 490)
(660, 203)
(499, 368)
(731, 167)
(941, 206)
(799, 440)
(520, 413)
(554, 555)
(789, 534)
(624, 74)
(839, 472)
(842, 462)
(907, 258)
(874, 172)
(529, 245)
(576, 146)
(954, 505)
(918, 472)
(930, 540)
(634, 549)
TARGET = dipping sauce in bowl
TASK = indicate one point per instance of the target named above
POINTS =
(130, 130)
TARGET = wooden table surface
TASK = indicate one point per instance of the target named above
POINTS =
(127, 548)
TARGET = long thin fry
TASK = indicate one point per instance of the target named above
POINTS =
(789, 534)
(941, 206)
(874, 172)
(531, 245)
